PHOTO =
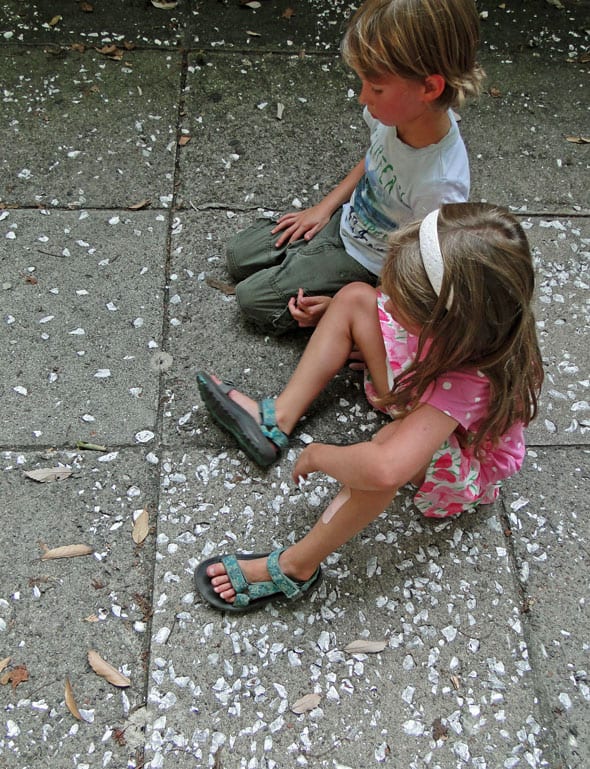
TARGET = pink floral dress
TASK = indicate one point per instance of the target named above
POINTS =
(455, 480)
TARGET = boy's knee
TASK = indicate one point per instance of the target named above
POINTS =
(264, 308)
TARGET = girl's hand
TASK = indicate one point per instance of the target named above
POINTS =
(304, 464)
(307, 310)
(296, 225)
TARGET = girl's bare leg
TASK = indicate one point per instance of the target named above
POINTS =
(349, 513)
(350, 320)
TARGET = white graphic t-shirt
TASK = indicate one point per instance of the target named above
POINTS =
(400, 184)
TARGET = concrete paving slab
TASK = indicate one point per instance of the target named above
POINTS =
(548, 513)
(93, 23)
(81, 326)
(517, 134)
(53, 612)
(84, 130)
(287, 25)
(242, 154)
(561, 248)
(453, 686)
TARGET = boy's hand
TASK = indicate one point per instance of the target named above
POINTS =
(307, 310)
(296, 225)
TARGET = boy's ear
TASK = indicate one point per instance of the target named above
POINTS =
(434, 85)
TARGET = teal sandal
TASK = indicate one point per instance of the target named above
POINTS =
(261, 442)
(251, 596)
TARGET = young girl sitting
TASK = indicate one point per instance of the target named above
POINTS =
(415, 59)
(451, 353)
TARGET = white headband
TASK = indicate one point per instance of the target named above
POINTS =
(431, 254)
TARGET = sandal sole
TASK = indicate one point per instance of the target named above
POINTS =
(236, 421)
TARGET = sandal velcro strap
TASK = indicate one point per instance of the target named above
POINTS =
(249, 593)
(269, 424)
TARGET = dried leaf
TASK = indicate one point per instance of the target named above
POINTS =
(365, 647)
(439, 730)
(78, 47)
(227, 288)
(456, 681)
(111, 51)
(306, 703)
(4, 663)
(86, 7)
(71, 700)
(578, 139)
(165, 5)
(141, 526)
(142, 204)
(55, 20)
(66, 551)
(90, 446)
(16, 676)
(184, 140)
(48, 474)
(91, 618)
(288, 13)
(106, 671)
(495, 92)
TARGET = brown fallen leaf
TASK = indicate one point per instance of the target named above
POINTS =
(365, 647)
(55, 20)
(71, 700)
(141, 527)
(107, 671)
(65, 551)
(48, 474)
(91, 618)
(4, 663)
(306, 703)
(184, 140)
(78, 47)
(227, 288)
(578, 139)
(439, 730)
(288, 13)
(111, 51)
(138, 206)
(495, 92)
(456, 681)
(87, 7)
(16, 676)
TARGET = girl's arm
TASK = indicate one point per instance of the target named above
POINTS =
(399, 453)
(307, 223)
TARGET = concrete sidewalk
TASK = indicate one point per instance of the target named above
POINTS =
(136, 140)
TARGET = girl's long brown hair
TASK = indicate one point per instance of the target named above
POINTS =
(490, 326)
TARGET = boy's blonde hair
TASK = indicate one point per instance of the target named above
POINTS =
(415, 39)
(489, 327)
